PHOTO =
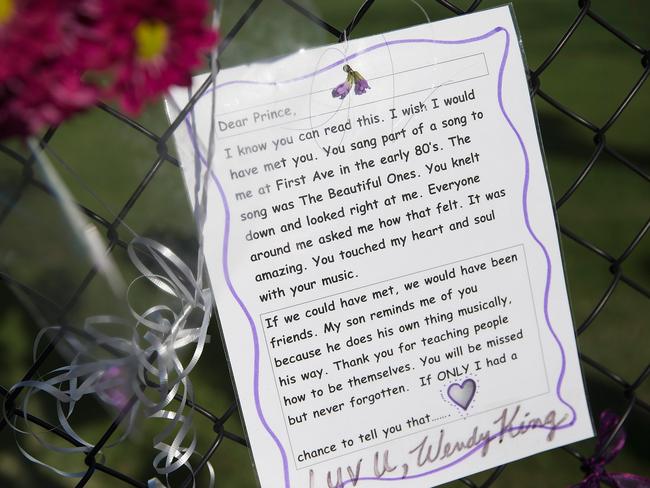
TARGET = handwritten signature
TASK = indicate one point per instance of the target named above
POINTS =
(430, 450)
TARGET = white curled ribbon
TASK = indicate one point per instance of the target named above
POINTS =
(140, 368)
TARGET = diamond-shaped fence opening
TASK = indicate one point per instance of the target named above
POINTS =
(601, 185)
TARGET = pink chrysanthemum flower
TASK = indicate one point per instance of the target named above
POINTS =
(48, 96)
(156, 44)
(40, 64)
(30, 30)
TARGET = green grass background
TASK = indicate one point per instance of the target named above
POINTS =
(591, 75)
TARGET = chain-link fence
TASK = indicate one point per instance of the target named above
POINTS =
(603, 152)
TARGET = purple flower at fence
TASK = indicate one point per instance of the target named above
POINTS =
(113, 386)
(607, 448)
(353, 78)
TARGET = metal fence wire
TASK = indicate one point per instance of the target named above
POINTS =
(160, 143)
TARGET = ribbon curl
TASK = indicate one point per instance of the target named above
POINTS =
(604, 454)
(142, 371)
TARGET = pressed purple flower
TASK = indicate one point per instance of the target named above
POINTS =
(342, 90)
(353, 78)
(361, 85)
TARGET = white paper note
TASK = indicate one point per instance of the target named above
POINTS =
(386, 265)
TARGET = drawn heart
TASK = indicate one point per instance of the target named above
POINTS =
(463, 394)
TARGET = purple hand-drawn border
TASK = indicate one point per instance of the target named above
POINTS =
(231, 288)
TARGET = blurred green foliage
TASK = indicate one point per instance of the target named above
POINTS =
(592, 75)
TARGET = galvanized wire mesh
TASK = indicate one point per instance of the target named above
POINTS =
(160, 143)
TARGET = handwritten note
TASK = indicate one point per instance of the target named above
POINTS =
(382, 246)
